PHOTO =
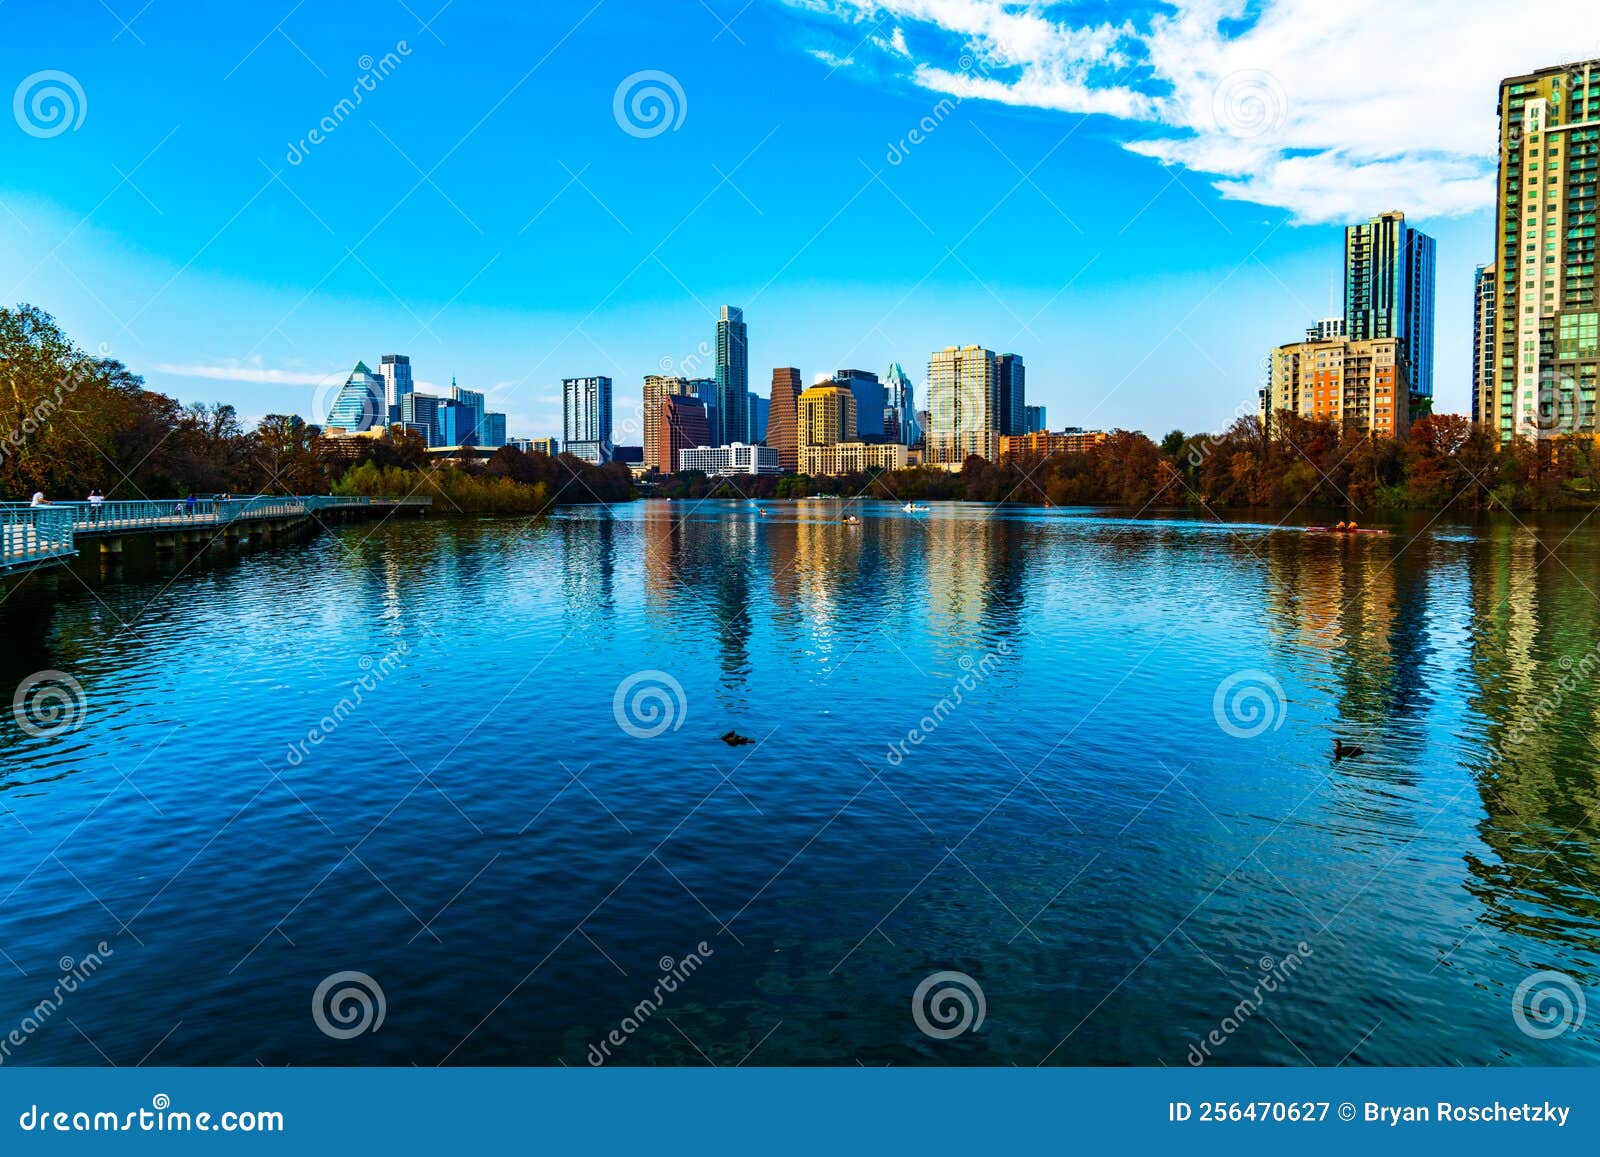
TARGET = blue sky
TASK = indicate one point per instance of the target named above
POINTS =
(1139, 199)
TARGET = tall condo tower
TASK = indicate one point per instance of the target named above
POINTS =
(586, 418)
(963, 404)
(1485, 406)
(1013, 393)
(1546, 321)
(733, 377)
(1388, 292)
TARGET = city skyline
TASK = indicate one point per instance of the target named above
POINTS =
(252, 287)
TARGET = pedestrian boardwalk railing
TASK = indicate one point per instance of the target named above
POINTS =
(35, 535)
(32, 536)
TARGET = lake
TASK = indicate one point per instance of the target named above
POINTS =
(1023, 786)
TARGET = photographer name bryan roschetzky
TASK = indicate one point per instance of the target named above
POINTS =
(1446, 1112)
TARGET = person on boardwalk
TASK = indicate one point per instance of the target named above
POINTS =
(95, 499)
(39, 499)
(188, 505)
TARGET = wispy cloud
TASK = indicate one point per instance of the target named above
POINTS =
(1328, 111)
(254, 374)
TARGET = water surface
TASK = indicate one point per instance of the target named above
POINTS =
(1089, 833)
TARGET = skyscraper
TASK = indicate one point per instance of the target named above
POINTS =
(470, 427)
(680, 425)
(733, 377)
(586, 418)
(492, 433)
(395, 370)
(1035, 420)
(359, 404)
(1388, 292)
(783, 418)
(827, 414)
(1485, 405)
(755, 426)
(964, 405)
(422, 412)
(902, 400)
(1548, 328)
(1013, 395)
(657, 387)
(870, 401)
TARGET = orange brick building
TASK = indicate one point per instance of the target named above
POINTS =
(1359, 384)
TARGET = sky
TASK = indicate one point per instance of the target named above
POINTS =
(1141, 199)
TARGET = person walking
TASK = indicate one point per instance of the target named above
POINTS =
(188, 506)
(95, 499)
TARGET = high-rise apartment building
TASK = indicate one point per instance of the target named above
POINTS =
(1485, 405)
(1035, 420)
(827, 415)
(964, 405)
(783, 418)
(1389, 292)
(493, 432)
(1328, 329)
(681, 425)
(586, 418)
(395, 370)
(733, 377)
(1013, 393)
(1545, 313)
(870, 400)
(1361, 385)
(359, 404)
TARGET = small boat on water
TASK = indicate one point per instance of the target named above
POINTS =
(1343, 530)
(913, 508)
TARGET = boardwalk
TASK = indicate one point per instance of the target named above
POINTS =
(35, 536)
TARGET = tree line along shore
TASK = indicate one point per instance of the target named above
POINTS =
(72, 422)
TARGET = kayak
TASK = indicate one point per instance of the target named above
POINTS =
(1336, 530)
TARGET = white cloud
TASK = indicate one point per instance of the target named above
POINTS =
(1330, 111)
(254, 374)
(831, 60)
